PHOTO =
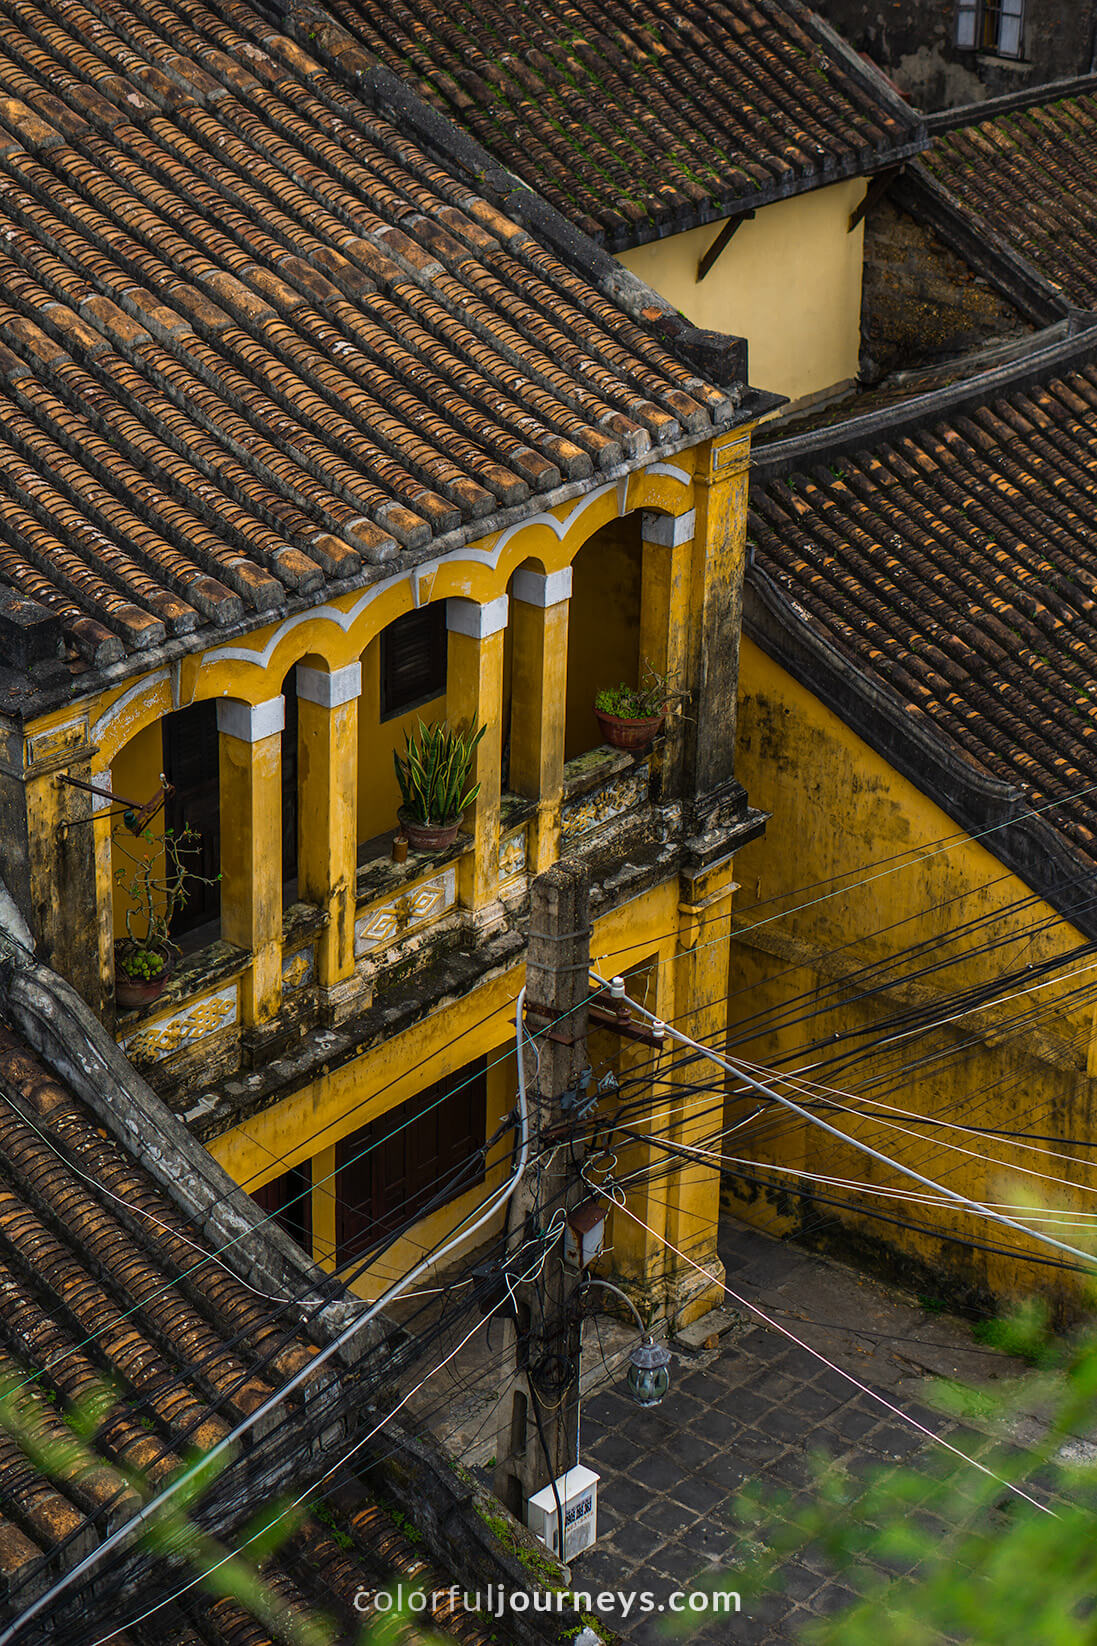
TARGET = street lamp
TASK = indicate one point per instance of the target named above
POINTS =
(648, 1377)
(648, 1363)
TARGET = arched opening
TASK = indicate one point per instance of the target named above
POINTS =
(182, 751)
(603, 626)
(403, 680)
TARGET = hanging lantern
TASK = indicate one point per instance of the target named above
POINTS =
(648, 1376)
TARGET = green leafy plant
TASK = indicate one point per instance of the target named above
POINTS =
(433, 771)
(648, 701)
(155, 894)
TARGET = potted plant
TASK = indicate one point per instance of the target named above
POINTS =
(145, 958)
(631, 717)
(433, 774)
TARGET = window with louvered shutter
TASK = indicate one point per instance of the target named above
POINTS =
(386, 1172)
(413, 660)
(288, 1201)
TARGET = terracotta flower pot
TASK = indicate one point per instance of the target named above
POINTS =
(131, 992)
(428, 837)
(634, 735)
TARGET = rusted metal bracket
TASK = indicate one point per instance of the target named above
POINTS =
(721, 243)
(615, 1016)
(875, 192)
(137, 814)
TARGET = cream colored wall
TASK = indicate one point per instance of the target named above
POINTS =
(789, 282)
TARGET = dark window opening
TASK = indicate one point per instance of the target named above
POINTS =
(413, 660)
(289, 787)
(386, 1172)
(192, 767)
(288, 1201)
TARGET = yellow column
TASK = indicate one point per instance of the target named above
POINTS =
(667, 541)
(716, 604)
(538, 703)
(251, 845)
(701, 998)
(327, 808)
(474, 694)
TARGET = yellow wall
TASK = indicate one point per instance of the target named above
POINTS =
(844, 821)
(789, 282)
(135, 773)
(378, 790)
(603, 626)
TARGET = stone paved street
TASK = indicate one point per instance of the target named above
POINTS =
(756, 1409)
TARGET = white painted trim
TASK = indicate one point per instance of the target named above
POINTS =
(476, 620)
(466, 555)
(250, 722)
(99, 802)
(542, 588)
(330, 690)
(150, 683)
(669, 530)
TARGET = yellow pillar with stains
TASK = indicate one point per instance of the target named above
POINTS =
(474, 694)
(327, 814)
(538, 702)
(716, 605)
(695, 1279)
(667, 545)
(251, 845)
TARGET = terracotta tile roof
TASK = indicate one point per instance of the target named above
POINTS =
(254, 341)
(1026, 175)
(638, 120)
(91, 1258)
(952, 561)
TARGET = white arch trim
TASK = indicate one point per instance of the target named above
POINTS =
(559, 527)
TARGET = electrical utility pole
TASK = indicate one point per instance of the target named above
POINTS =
(539, 1413)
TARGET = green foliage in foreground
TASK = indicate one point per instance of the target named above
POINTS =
(939, 1551)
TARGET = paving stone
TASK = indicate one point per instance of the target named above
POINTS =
(658, 1471)
(634, 1541)
(615, 1450)
(702, 1493)
(667, 1517)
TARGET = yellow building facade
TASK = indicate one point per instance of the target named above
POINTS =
(294, 1028)
(788, 280)
(858, 867)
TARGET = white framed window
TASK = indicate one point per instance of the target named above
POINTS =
(967, 24)
(991, 25)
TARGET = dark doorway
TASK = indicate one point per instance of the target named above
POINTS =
(289, 1200)
(192, 767)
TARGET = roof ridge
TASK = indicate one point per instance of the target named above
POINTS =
(971, 114)
(783, 457)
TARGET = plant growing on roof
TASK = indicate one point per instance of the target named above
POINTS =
(631, 717)
(145, 956)
(433, 773)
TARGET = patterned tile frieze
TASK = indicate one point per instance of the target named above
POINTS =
(194, 1021)
(416, 907)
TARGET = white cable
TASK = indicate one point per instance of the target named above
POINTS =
(865, 1148)
(126, 1532)
(864, 1388)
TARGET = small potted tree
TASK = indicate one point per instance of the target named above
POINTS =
(631, 717)
(145, 958)
(433, 774)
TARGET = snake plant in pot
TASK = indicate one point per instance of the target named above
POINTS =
(433, 774)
